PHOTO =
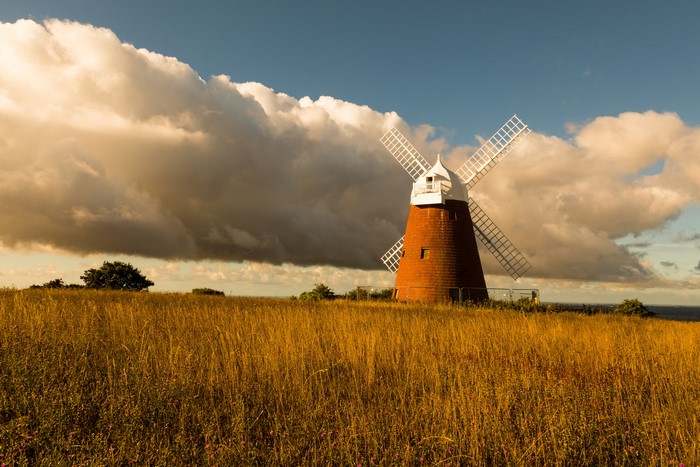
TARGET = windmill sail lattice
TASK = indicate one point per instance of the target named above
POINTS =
(404, 152)
(478, 165)
(392, 256)
(492, 151)
(497, 243)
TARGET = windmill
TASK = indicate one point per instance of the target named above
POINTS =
(437, 259)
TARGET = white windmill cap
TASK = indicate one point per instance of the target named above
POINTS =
(455, 190)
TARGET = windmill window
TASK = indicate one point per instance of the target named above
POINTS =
(403, 253)
(453, 215)
(424, 253)
(429, 183)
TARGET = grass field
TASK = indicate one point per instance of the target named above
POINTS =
(100, 378)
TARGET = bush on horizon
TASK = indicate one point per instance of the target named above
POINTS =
(320, 292)
(116, 275)
(56, 284)
(633, 307)
(207, 291)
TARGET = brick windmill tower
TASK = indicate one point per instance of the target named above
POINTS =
(437, 259)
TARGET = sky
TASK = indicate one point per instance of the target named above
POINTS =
(235, 145)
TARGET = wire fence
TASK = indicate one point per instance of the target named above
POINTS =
(464, 294)
(448, 294)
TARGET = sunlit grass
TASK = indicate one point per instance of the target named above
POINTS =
(143, 378)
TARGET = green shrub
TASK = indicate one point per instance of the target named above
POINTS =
(207, 291)
(56, 284)
(320, 292)
(633, 307)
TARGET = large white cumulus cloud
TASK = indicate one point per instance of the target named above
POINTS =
(108, 148)
(571, 200)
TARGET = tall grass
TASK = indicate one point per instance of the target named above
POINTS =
(142, 378)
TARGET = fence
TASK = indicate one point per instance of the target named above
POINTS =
(463, 294)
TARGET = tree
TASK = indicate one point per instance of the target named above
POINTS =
(116, 275)
(633, 307)
(320, 292)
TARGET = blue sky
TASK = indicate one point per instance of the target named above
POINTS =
(460, 67)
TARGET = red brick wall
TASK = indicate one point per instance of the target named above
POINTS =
(454, 258)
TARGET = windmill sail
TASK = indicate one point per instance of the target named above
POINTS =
(404, 152)
(392, 256)
(492, 151)
(497, 243)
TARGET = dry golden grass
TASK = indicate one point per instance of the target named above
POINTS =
(92, 378)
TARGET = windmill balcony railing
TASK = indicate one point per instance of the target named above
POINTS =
(430, 187)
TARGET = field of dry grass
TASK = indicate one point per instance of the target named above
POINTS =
(100, 378)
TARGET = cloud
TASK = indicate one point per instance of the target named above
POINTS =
(567, 203)
(669, 264)
(107, 148)
(687, 238)
(697, 268)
